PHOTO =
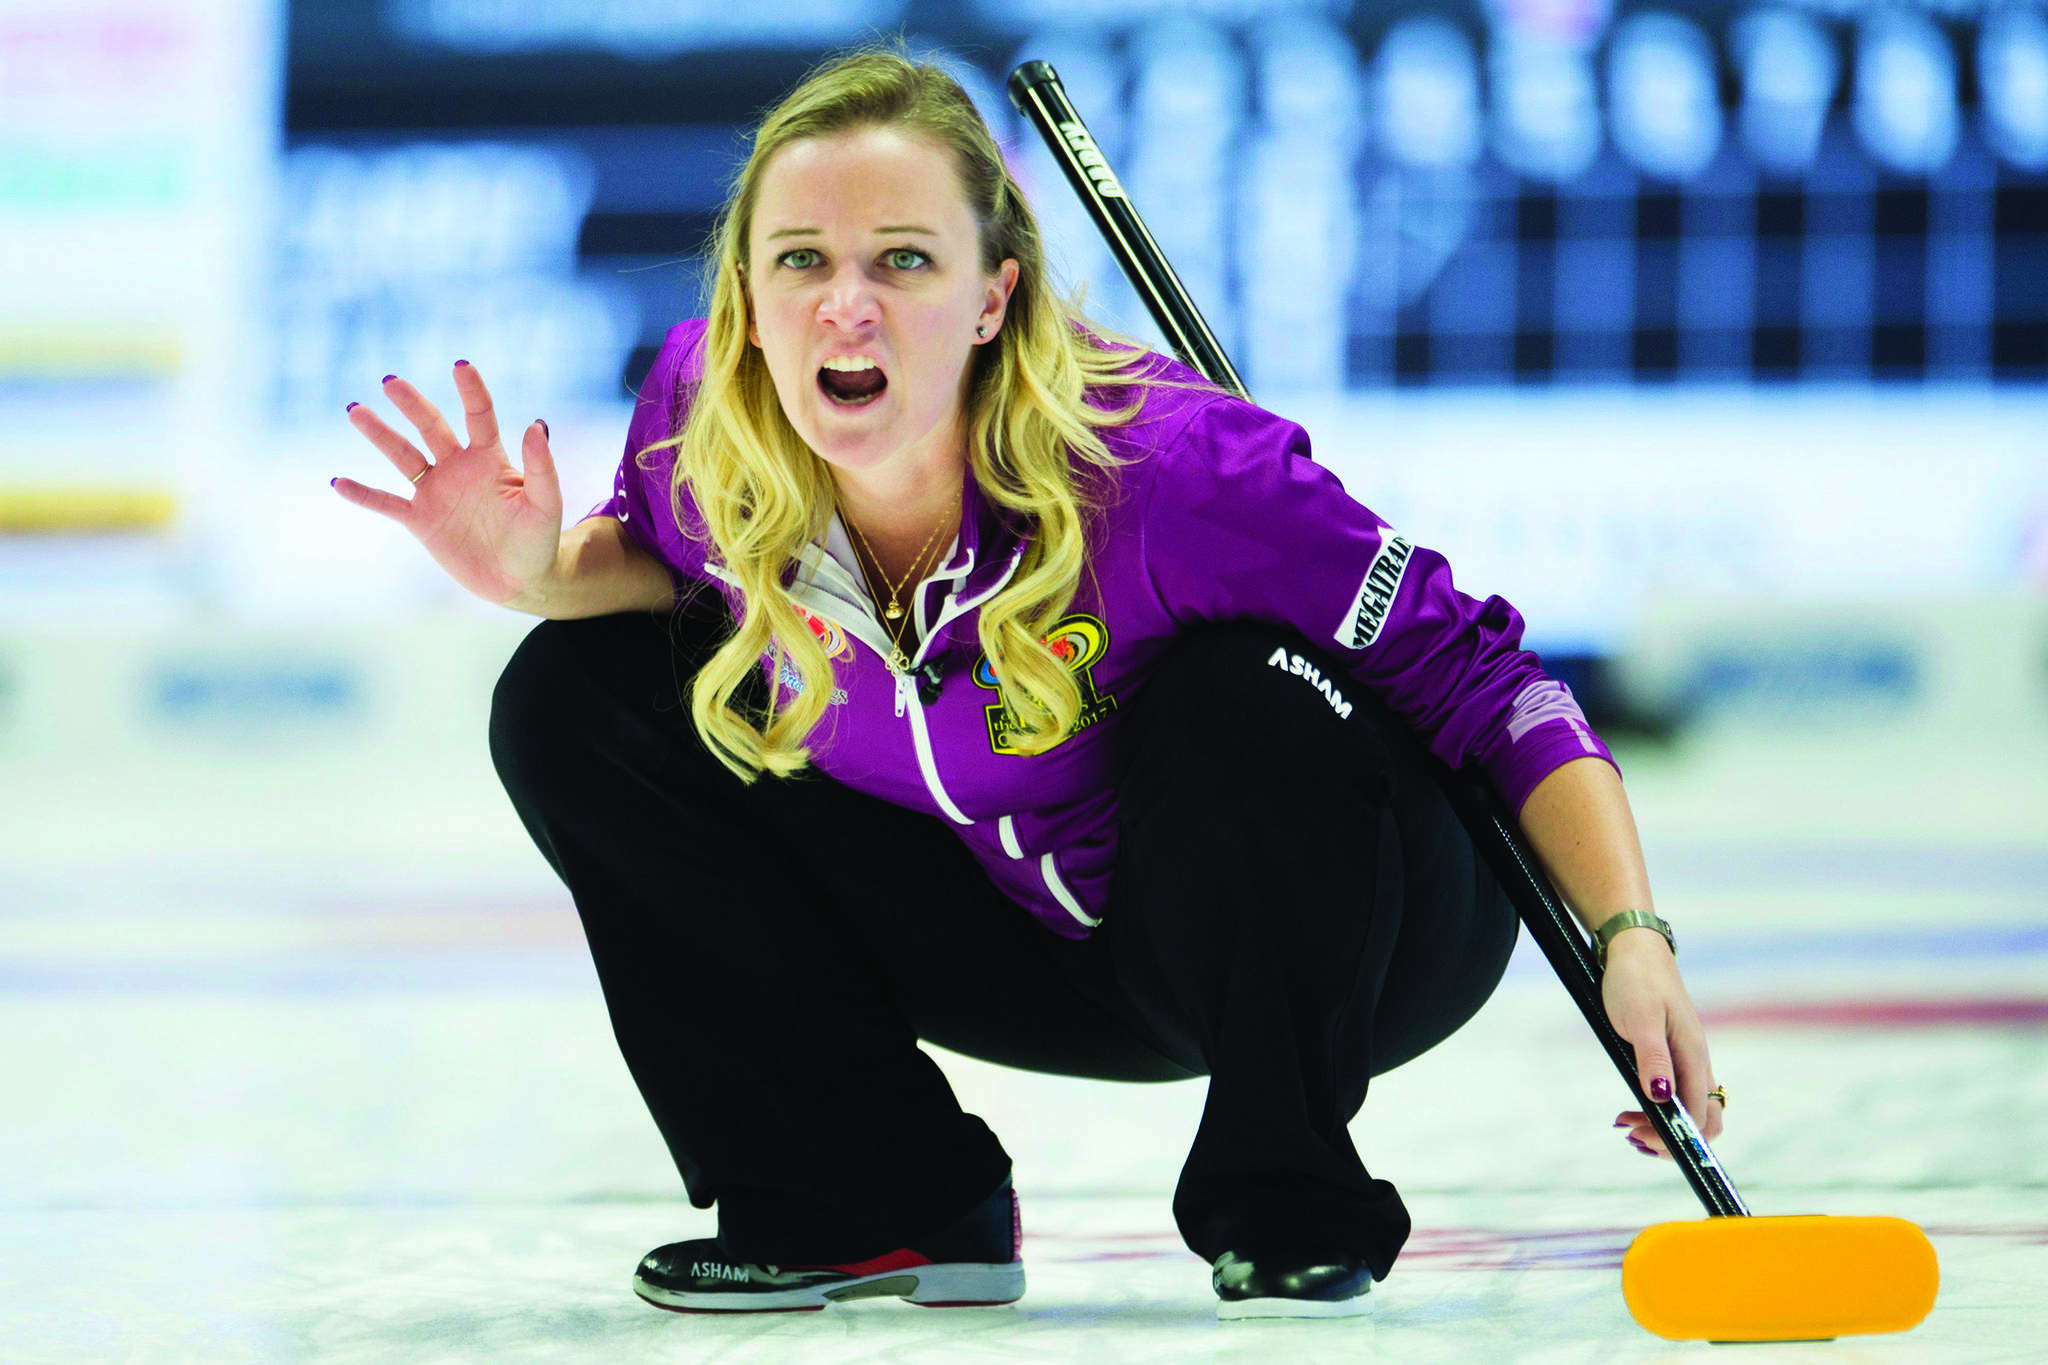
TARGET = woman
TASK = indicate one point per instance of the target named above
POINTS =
(1053, 707)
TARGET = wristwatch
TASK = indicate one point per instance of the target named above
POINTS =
(1629, 919)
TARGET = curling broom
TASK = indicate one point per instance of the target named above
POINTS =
(1734, 1276)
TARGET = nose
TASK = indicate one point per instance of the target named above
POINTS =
(849, 302)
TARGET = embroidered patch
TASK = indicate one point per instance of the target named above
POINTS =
(1079, 641)
(1361, 623)
(794, 682)
(837, 646)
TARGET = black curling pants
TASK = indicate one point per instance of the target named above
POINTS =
(1295, 910)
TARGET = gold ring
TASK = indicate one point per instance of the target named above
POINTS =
(421, 475)
(1717, 1093)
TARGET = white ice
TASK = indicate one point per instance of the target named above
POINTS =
(316, 1068)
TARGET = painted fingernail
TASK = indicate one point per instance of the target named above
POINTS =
(544, 427)
(350, 408)
(1660, 1089)
(1621, 1123)
(1645, 1148)
(333, 481)
(462, 362)
(388, 378)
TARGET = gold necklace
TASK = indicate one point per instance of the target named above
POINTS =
(894, 611)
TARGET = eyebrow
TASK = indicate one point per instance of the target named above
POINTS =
(809, 231)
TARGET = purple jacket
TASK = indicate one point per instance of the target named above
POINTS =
(1225, 516)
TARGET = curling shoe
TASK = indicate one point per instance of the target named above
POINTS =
(1283, 1282)
(976, 1262)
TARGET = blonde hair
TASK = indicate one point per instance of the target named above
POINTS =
(763, 494)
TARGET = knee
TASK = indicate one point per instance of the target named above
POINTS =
(577, 685)
(576, 693)
(535, 691)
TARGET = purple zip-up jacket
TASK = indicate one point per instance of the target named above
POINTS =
(1225, 516)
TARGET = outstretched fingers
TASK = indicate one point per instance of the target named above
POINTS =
(434, 429)
(401, 452)
(543, 485)
(376, 499)
(477, 413)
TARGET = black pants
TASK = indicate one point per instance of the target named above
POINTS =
(1295, 909)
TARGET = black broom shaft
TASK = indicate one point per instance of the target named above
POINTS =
(1034, 88)
(1499, 839)
(1036, 91)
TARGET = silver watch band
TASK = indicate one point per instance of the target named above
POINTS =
(1630, 919)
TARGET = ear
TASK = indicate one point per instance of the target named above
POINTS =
(997, 302)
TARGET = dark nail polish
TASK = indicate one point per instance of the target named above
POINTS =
(388, 378)
(1645, 1148)
(462, 362)
(1660, 1089)
(333, 481)
(544, 427)
(350, 408)
(1621, 1123)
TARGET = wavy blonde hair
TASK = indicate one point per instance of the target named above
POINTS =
(763, 493)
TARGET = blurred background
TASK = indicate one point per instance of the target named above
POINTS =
(1713, 335)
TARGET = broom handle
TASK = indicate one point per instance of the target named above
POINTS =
(1499, 839)
(1034, 88)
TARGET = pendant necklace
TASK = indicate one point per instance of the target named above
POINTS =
(894, 611)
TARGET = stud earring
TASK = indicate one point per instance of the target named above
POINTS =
(981, 331)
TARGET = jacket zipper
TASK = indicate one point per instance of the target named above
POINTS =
(907, 698)
(907, 703)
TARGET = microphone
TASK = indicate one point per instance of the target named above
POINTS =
(928, 683)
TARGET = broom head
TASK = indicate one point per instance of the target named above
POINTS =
(1800, 1278)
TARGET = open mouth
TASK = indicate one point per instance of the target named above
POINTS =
(852, 388)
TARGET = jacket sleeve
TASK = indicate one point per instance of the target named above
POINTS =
(640, 489)
(1239, 522)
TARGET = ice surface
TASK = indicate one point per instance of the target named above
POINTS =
(286, 1108)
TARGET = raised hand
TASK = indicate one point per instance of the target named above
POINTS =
(495, 529)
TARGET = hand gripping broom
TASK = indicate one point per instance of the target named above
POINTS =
(1734, 1276)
